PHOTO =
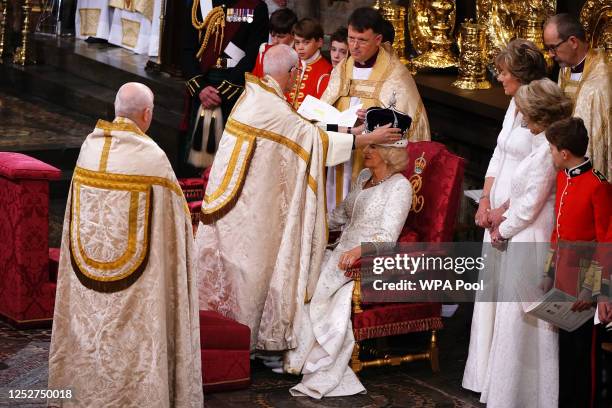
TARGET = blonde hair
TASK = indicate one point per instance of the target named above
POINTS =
(542, 102)
(396, 158)
(523, 60)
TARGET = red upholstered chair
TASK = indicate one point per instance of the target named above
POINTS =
(27, 294)
(436, 176)
(225, 353)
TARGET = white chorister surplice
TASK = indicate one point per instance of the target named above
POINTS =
(324, 330)
(523, 366)
(513, 145)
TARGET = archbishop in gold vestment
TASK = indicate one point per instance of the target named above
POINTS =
(263, 231)
(126, 322)
(593, 102)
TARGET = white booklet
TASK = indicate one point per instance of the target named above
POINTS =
(319, 111)
(555, 307)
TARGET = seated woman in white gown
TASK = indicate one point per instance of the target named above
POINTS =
(374, 211)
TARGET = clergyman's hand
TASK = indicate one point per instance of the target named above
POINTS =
(209, 97)
(361, 114)
(348, 258)
(385, 134)
(604, 310)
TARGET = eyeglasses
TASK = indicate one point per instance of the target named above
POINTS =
(358, 41)
(553, 48)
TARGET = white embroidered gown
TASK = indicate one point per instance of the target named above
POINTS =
(324, 332)
(523, 365)
(513, 145)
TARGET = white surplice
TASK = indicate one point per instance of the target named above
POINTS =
(513, 145)
(324, 330)
(136, 31)
(523, 365)
(92, 19)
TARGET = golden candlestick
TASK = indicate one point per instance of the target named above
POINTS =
(21, 56)
(3, 28)
(396, 15)
(472, 57)
(442, 20)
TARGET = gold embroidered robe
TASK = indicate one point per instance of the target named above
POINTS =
(126, 320)
(263, 231)
(593, 102)
(389, 81)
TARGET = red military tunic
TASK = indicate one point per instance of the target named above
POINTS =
(258, 70)
(313, 81)
(583, 208)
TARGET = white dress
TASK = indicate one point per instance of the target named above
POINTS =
(324, 333)
(513, 145)
(523, 366)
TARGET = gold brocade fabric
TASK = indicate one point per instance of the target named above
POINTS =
(593, 103)
(126, 321)
(130, 32)
(90, 18)
(144, 7)
(389, 80)
(264, 224)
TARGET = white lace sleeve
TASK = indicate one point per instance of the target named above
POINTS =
(540, 180)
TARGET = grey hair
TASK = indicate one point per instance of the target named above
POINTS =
(132, 99)
(279, 59)
(395, 157)
(567, 26)
(543, 102)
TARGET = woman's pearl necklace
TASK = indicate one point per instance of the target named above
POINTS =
(375, 183)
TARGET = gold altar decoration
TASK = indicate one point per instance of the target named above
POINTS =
(441, 20)
(596, 18)
(472, 57)
(396, 15)
(22, 54)
(532, 28)
(3, 28)
(501, 19)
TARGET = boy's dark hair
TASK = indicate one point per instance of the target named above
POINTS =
(308, 29)
(340, 35)
(282, 21)
(569, 134)
(365, 18)
(388, 32)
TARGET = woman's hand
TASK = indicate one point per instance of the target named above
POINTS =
(496, 216)
(348, 258)
(358, 130)
(497, 241)
(482, 215)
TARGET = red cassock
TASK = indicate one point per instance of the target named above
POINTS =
(313, 82)
(258, 70)
(583, 208)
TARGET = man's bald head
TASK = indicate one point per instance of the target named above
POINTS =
(135, 101)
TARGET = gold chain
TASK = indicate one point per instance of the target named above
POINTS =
(214, 24)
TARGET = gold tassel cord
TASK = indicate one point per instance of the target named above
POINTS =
(214, 23)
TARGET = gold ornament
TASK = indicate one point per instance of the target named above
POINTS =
(3, 28)
(472, 57)
(22, 54)
(596, 18)
(396, 15)
(441, 20)
(214, 23)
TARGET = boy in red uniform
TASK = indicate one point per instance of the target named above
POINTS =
(281, 32)
(308, 39)
(583, 208)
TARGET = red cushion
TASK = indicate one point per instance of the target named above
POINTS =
(391, 319)
(195, 206)
(440, 189)
(19, 166)
(54, 255)
(225, 370)
(219, 332)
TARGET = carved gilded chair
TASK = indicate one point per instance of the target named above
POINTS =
(436, 176)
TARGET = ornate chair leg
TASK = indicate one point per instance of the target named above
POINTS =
(356, 364)
(433, 352)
